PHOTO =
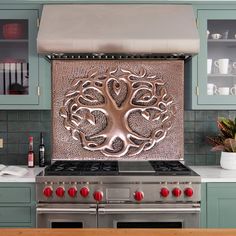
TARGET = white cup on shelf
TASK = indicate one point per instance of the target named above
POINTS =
(211, 89)
(223, 90)
(209, 66)
(222, 65)
(233, 90)
(216, 36)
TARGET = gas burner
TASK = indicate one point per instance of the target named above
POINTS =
(170, 168)
(80, 168)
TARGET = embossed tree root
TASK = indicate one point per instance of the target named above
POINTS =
(145, 94)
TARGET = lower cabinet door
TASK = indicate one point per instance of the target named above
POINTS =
(221, 205)
(15, 216)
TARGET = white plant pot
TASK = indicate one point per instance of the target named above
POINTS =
(228, 160)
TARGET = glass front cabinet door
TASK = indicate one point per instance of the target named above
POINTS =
(18, 57)
(214, 68)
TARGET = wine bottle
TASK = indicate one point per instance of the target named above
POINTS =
(31, 156)
(41, 151)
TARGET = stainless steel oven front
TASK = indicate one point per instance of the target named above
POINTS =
(149, 215)
(66, 216)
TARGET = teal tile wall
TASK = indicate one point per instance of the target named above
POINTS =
(197, 126)
(17, 126)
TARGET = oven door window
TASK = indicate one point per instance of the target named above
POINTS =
(149, 224)
(66, 225)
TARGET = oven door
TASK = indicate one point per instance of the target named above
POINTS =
(149, 216)
(66, 216)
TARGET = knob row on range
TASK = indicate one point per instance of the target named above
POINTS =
(60, 191)
(72, 191)
(98, 195)
(176, 192)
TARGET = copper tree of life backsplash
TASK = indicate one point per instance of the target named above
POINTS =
(117, 109)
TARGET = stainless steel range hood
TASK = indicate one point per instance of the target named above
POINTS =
(118, 28)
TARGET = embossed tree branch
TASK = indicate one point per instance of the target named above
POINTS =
(145, 95)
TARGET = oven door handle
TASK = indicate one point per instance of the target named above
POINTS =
(148, 210)
(66, 210)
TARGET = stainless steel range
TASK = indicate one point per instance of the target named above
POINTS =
(119, 194)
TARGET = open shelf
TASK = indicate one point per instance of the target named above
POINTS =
(221, 40)
(13, 40)
(221, 75)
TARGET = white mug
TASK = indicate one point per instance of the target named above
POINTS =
(223, 90)
(223, 65)
(216, 36)
(209, 66)
(233, 90)
(234, 64)
(211, 89)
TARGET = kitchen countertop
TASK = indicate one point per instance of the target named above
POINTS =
(119, 232)
(29, 177)
(207, 173)
(215, 174)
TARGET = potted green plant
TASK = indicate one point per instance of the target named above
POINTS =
(225, 142)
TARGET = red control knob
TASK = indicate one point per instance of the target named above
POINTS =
(98, 195)
(176, 192)
(188, 192)
(72, 191)
(84, 192)
(164, 192)
(47, 192)
(138, 196)
(60, 191)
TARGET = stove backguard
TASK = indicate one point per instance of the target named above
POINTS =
(117, 109)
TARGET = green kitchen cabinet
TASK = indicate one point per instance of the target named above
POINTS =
(211, 75)
(203, 205)
(220, 211)
(17, 205)
(24, 75)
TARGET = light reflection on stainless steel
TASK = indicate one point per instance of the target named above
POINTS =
(121, 95)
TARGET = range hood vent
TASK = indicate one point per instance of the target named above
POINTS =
(118, 28)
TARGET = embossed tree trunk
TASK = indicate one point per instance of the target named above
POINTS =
(129, 109)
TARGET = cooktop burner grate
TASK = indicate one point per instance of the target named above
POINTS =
(73, 168)
(170, 168)
(68, 168)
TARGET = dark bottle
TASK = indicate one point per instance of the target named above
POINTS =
(31, 156)
(41, 151)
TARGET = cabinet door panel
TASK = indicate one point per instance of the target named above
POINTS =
(221, 205)
(15, 195)
(18, 57)
(217, 60)
(15, 214)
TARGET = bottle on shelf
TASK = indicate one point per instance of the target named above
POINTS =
(31, 156)
(41, 151)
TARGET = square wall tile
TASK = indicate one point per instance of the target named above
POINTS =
(189, 115)
(23, 115)
(12, 115)
(3, 115)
